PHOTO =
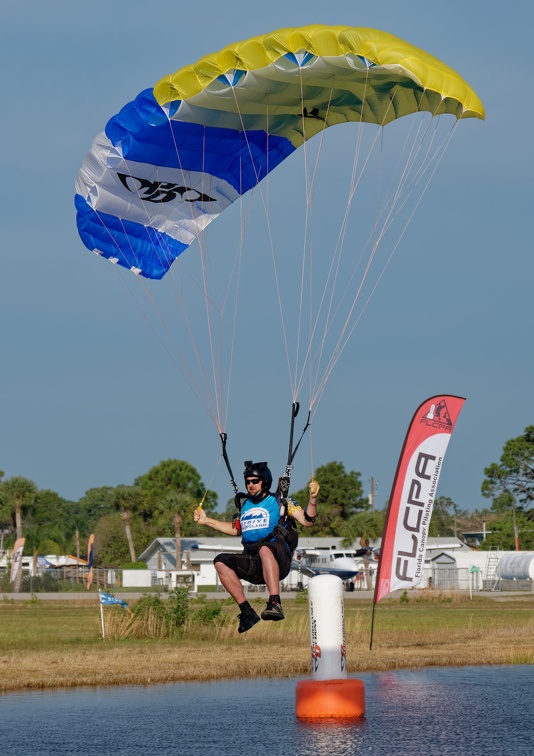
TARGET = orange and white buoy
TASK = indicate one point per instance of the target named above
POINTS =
(330, 694)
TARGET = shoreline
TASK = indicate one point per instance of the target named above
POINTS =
(48, 645)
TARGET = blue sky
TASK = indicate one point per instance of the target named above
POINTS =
(90, 398)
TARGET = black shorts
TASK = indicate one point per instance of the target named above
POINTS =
(248, 566)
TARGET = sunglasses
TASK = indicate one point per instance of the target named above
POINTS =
(254, 481)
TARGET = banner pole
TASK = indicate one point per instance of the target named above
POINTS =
(372, 626)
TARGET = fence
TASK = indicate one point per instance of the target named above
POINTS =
(75, 580)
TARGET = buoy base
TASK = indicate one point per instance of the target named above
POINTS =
(330, 699)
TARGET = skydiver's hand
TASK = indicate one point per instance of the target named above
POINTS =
(314, 488)
(200, 516)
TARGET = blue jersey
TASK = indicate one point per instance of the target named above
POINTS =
(259, 520)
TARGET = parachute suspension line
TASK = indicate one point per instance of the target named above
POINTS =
(216, 365)
(213, 304)
(207, 487)
(307, 362)
(162, 252)
(312, 466)
(275, 269)
(216, 368)
(370, 259)
(425, 163)
(377, 239)
(264, 197)
(304, 238)
(209, 406)
(307, 253)
(161, 249)
(183, 368)
(332, 277)
(200, 362)
(345, 337)
(237, 271)
(266, 211)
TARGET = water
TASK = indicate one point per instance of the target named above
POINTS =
(470, 710)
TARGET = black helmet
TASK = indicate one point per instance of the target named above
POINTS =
(259, 470)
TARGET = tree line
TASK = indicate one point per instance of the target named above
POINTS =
(125, 519)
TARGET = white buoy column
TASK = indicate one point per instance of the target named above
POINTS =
(327, 628)
(330, 694)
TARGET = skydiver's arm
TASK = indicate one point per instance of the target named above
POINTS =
(227, 528)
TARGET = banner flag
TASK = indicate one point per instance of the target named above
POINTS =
(107, 600)
(402, 553)
(16, 561)
(90, 544)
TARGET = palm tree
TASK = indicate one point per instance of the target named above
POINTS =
(17, 493)
(128, 499)
(365, 526)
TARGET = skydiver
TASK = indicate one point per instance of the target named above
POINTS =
(266, 555)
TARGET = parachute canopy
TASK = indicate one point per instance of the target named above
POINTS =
(173, 159)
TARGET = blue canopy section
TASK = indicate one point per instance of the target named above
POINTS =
(242, 158)
(131, 245)
(142, 134)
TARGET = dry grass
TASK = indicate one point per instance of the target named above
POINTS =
(58, 644)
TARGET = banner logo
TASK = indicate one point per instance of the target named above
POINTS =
(438, 416)
(161, 191)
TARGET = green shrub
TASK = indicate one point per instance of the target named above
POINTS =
(209, 614)
(151, 603)
(133, 566)
(178, 606)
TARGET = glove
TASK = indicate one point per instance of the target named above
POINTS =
(314, 487)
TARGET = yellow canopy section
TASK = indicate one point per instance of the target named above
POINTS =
(350, 74)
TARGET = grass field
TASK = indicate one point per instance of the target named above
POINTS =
(56, 644)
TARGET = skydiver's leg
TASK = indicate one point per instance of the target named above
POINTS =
(230, 581)
(271, 576)
(232, 568)
(271, 570)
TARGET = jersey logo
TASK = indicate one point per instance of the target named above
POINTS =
(255, 519)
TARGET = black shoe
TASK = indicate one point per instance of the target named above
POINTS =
(247, 620)
(273, 611)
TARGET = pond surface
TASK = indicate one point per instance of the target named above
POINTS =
(469, 710)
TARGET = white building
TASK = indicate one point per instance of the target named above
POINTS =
(449, 563)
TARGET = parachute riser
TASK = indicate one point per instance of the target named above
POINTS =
(285, 480)
(224, 438)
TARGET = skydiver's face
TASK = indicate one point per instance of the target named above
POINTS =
(254, 486)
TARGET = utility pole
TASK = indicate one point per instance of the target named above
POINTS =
(372, 495)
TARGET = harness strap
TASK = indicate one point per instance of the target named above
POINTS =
(262, 541)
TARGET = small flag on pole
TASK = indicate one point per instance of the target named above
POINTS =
(107, 599)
